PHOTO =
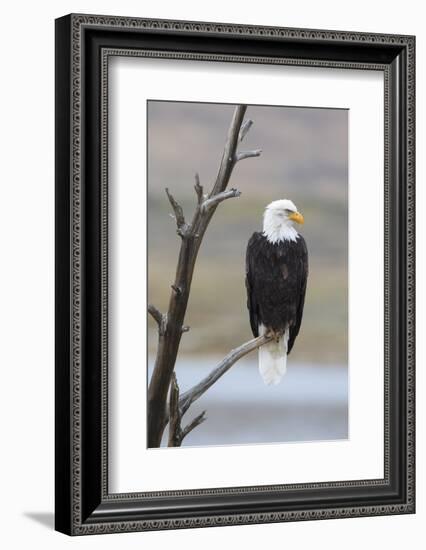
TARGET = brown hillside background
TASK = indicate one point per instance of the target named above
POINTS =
(305, 159)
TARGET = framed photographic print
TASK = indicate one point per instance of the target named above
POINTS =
(234, 274)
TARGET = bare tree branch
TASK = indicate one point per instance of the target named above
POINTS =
(198, 189)
(180, 218)
(193, 424)
(245, 127)
(214, 201)
(182, 227)
(155, 313)
(248, 154)
(160, 318)
(227, 362)
(186, 400)
(172, 325)
(175, 431)
(228, 158)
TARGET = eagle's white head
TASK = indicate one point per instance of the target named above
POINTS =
(278, 221)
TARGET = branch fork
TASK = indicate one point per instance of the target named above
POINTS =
(183, 229)
(159, 318)
(220, 197)
(176, 433)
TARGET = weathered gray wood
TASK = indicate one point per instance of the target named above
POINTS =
(248, 154)
(220, 197)
(198, 189)
(245, 127)
(193, 424)
(183, 229)
(175, 431)
(155, 313)
(187, 398)
(172, 325)
(159, 318)
(191, 395)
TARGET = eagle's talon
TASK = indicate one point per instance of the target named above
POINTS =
(270, 333)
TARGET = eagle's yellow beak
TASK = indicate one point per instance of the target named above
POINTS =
(297, 217)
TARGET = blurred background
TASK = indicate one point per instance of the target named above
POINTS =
(305, 159)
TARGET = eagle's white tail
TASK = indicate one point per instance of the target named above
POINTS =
(273, 359)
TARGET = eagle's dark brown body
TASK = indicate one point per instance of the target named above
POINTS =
(276, 276)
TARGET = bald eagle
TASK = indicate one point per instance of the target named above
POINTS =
(276, 276)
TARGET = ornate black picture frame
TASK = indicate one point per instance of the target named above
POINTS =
(83, 46)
